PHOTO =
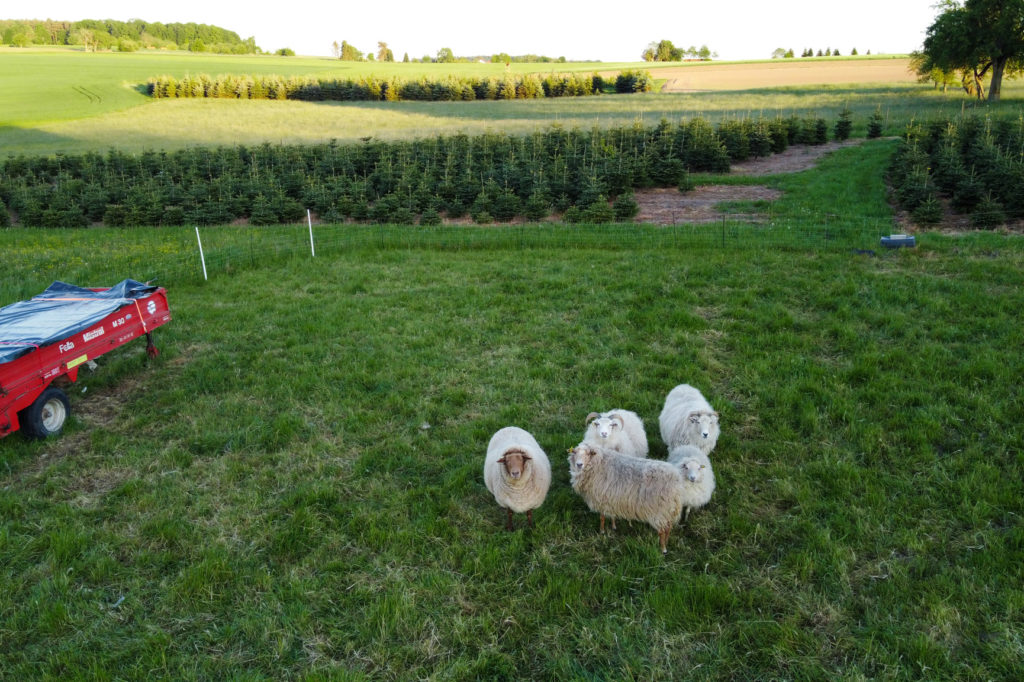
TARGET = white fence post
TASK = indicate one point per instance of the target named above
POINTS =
(202, 258)
(312, 249)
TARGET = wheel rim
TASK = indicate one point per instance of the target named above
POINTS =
(54, 414)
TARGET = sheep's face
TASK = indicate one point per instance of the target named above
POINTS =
(693, 470)
(703, 422)
(515, 463)
(579, 458)
(605, 426)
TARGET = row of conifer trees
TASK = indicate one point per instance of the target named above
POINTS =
(374, 88)
(579, 174)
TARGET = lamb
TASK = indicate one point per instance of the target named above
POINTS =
(517, 472)
(688, 419)
(698, 477)
(624, 487)
(621, 431)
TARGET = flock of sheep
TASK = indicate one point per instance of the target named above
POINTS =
(610, 470)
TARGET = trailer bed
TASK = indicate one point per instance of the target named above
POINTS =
(53, 334)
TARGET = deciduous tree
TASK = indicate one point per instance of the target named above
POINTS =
(976, 37)
(349, 53)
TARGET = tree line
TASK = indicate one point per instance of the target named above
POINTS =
(783, 53)
(374, 89)
(581, 175)
(665, 51)
(349, 53)
(125, 36)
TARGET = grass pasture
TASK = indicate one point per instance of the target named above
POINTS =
(293, 489)
(263, 501)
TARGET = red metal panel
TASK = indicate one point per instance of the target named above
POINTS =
(23, 379)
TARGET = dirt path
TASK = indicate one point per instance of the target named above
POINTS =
(669, 206)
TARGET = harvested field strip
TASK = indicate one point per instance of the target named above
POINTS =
(783, 73)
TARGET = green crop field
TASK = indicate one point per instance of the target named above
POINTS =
(74, 102)
(293, 488)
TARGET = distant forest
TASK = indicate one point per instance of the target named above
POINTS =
(125, 36)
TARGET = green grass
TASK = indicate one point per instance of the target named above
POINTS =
(43, 113)
(261, 502)
(44, 86)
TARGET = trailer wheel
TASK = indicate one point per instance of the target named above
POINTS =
(47, 415)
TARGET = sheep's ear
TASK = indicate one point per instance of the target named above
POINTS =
(501, 461)
(526, 457)
(693, 416)
(715, 414)
(591, 417)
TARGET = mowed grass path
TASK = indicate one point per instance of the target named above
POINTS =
(265, 501)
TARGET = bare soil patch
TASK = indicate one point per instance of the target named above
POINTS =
(952, 223)
(669, 206)
(794, 159)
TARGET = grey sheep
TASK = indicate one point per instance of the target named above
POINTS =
(698, 476)
(624, 487)
(688, 419)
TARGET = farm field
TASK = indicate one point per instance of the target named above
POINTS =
(293, 488)
(73, 102)
(785, 73)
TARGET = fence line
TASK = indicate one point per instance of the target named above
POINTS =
(265, 245)
(192, 254)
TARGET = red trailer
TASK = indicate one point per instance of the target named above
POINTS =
(53, 334)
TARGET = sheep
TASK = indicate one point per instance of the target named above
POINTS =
(624, 487)
(516, 472)
(698, 476)
(621, 431)
(688, 419)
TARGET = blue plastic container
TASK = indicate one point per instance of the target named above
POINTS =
(895, 241)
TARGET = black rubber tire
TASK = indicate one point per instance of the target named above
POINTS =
(47, 415)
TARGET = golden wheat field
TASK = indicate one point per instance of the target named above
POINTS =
(783, 73)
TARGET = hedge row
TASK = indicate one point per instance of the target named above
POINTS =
(584, 174)
(372, 88)
(974, 163)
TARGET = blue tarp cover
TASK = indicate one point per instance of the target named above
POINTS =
(59, 312)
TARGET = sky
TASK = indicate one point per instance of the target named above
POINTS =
(579, 31)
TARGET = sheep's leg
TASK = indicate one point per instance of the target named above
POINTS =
(687, 517)
(663, 538)
(613, 524)
(602, 523)
(529, 518)
(508, 525)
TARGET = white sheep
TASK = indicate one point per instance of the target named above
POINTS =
(698, 476)
(621, 431)
(517, 472)
(688, 419)
(624, 487)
